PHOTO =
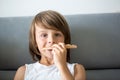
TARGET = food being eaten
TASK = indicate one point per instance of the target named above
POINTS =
(68, 46)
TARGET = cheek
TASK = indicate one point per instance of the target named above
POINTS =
(60, 40)
(40, 43)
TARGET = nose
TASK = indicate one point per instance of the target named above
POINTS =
(51, 39)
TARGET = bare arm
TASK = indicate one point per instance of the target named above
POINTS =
(79, 73)
(20, 73)
(65, 73)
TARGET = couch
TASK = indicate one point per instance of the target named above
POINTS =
(96, 35)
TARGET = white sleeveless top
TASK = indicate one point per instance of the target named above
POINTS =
(37, 71)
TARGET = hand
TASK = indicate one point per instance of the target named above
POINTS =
(59, 57)
(59, 54)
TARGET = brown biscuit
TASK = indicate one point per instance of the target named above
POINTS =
(68, 46)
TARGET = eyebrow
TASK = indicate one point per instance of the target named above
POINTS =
(41, 31)
(46, 31)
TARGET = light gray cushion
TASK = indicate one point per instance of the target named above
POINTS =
(97, 37)
(98, 40)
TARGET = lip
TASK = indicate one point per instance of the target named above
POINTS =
(49, 49)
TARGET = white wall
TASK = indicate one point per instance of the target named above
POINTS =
(10, 8)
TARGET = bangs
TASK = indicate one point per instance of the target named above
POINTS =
(47, 26)
(48, 23)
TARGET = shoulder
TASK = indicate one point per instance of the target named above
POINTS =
(79, 67)
(79, 72)
(20, 73)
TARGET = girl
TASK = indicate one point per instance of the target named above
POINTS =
(49, 34)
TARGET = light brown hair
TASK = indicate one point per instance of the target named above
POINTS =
(53, 20)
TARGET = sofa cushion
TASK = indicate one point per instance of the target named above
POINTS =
(96, 35)
(98, 40)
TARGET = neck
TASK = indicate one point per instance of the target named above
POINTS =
(46, 61)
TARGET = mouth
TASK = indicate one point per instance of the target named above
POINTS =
(49, 49)
(68, 46)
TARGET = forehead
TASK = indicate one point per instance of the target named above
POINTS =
(42, 26)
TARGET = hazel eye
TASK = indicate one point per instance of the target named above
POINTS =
(58, 35)
(43, 35)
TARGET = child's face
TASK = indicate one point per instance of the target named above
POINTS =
(46, 38)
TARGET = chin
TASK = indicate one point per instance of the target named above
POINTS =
(49, 55)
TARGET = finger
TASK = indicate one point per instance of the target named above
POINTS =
(62, 45)
(58, 47)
